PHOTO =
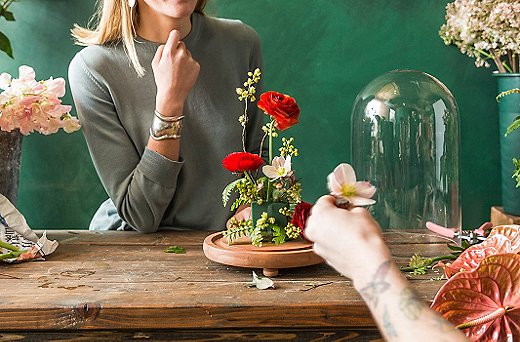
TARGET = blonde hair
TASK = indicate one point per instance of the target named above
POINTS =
(115, 22)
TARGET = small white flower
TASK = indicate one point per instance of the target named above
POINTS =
(5, 80)
(280, 168)
(343, 185)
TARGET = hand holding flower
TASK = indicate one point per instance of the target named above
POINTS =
(343, 185)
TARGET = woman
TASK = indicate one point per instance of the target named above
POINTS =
(155, 93)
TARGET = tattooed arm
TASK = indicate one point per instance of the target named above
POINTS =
(359, 252)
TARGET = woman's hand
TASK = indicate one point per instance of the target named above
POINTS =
(175, 73)
(243, 213)
(349, 240)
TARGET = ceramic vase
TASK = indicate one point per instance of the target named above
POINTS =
(10, 157)
(508, 111)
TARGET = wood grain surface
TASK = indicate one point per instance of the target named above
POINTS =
(119, 281)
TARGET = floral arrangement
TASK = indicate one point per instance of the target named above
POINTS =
(5, 43)
(272, 190)
(486, 30)
(29, 105)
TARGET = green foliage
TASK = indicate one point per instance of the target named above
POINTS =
(5, 43)
(256, 236)
(278, 234)
(419, 264)
(247, 192)
(516, 174)
(237, 230)
(175, 249)
(514, 126)
(8, 16)
(227, 191)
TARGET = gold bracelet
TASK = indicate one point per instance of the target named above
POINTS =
(162, 129)
(167, 118)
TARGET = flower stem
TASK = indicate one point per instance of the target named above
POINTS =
(484, 319)
(500, 64)
(12, 254)
(244, 127)
(249, 178)
(271, 142)
(8, 246)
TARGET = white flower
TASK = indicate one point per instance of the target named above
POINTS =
(5, 80)
(280, 167)
(342, 185)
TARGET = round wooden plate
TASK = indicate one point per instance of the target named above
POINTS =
(269, 257)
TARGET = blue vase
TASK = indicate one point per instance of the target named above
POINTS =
(508, 110)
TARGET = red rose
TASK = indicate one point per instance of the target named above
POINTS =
(281, 107)
(242, 161)
(302, 211)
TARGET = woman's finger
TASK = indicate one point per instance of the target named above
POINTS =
(158, 54)
(172, 42)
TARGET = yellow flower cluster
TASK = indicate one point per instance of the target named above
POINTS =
(292, 231)
(249, 90)
(288, 148)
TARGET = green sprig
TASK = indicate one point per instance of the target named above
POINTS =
(175, 249)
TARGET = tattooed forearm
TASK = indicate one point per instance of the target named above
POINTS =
(378, 285)
(410, 305)
(387, 324)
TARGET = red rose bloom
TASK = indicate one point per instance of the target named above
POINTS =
(242, 161)
(302, 211)
(281, 107)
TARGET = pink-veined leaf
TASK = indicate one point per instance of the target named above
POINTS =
(484, 303)
(512, 232)
(502, 239)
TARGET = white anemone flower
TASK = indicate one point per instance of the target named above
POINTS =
(343, 185)
(279, 168)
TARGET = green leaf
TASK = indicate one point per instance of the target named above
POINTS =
(278, 234)
(514, 126)
(8, 16)
(5, 45)
(175, 249)
(455, 248)
(227, 191)
(516, 174)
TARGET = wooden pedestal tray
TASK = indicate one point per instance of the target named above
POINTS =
(269, 257)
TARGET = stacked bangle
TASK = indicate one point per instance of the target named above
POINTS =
(166, 127)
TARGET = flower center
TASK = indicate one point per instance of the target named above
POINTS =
(281, 171)
(348, 190)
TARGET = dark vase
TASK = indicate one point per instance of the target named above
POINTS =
(10, 157)
(508, 110)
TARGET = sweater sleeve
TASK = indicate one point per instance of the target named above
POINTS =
(254, 130)
(140, 183)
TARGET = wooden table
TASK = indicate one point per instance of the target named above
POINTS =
(121, 286)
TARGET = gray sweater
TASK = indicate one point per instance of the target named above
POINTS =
(148, 191)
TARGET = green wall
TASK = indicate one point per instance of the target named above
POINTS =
(322, 52)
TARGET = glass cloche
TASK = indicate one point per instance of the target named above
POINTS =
(405, 141)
